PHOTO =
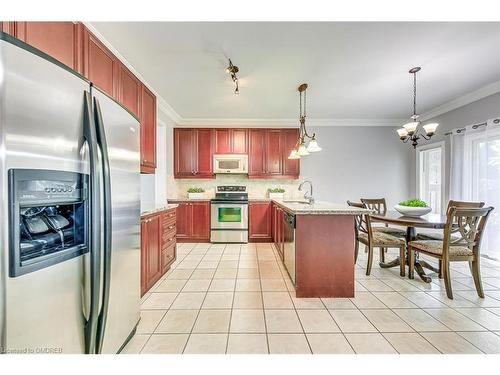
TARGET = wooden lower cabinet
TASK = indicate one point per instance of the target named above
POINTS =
(278, 228)
(259, 222)
(193, 221)
(158, 247)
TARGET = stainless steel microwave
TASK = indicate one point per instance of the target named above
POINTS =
(230, 163)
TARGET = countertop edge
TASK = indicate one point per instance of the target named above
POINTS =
(153, 211)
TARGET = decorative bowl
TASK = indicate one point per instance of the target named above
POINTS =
(412, 211)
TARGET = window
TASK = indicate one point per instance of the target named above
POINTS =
(430, 175)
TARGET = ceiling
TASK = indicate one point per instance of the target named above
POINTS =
(355, 70)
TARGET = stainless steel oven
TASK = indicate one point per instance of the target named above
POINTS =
(229, 215)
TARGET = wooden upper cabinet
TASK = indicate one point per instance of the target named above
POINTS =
(231, 141)
(100, 66)
(256, 154)
(61, 40)
(274, 150)
(239, 141)
(291, 167)
(193, 153)
(184, 144)
(222, 141)
(148, 131)
(130, 89)
(204, 152)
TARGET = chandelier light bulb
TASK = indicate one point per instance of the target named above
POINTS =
(302, 151)
(293, 155)
(313, 146)
(430, 129)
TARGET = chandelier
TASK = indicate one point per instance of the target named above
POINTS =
(301, 149)
(232, 70)
(410, 131)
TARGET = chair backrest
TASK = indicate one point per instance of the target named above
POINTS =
(377, 204)
(463, 204)
(469, 223)
(362, 221)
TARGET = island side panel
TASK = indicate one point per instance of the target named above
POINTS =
(324, 255)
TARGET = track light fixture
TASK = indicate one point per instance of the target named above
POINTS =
(232, 70)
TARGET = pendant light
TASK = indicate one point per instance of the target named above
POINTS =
(410, 131)
(301, 148)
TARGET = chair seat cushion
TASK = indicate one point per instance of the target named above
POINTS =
(436, 247)
(381, 239)
(438, 236)
(389, 230)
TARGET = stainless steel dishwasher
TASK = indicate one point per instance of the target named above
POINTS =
(289, 245)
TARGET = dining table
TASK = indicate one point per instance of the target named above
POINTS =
(429, 221)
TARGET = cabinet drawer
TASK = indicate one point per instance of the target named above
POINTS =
(169, 227)
(168, 255)
(168, 216)
(167, 241)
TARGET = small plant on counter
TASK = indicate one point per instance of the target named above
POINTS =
(196, 190)
(196, 193)
(276, 193)
(413, 203)
(276, 190)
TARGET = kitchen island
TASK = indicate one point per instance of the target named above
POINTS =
(324, 241)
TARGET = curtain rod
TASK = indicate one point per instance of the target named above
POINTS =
(475, 126)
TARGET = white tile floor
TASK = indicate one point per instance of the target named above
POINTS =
(238, 299)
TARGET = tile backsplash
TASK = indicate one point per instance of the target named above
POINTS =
(257, 189)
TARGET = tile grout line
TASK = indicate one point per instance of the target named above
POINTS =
(232, 302)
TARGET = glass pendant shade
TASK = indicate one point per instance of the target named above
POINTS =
(411, 127)
(293, 155)
(302, 151)
(313, 146)
(430, 129)
(403, 133)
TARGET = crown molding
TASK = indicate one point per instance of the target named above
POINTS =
(284, 123)
(471, 97)
(162, 105)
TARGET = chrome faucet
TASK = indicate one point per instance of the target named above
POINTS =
(308, 195)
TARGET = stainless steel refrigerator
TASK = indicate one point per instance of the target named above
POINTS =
(69, 210)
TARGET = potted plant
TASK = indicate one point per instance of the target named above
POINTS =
(276, 193)
(413, 208)
(196, 193)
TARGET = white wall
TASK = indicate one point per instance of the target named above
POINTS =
(368, 162)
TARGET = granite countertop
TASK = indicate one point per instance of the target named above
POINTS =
(319, 208)
(186, 199)
(159, 208)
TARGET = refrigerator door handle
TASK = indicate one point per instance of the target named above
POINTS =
(95, 225)
(102, 144)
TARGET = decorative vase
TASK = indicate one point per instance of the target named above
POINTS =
(196, 195)
(279, 196)
(412, 211)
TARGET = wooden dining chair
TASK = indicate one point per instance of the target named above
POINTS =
(379, 206)
(461, 242)
(365, 235)
(458, 204)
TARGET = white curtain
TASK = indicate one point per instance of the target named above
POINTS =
(475, 176)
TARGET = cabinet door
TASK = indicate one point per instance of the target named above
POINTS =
(148, 131)
(7, 27)
(291, 167)
(129, 90)
(204, 152)
(256, 149)
(144, 257)
(222, 141)
(273, 152)
(184, 220)
(259, 220)
(100, 66)
(200, 212)
(239, 141)
(184, 165)
(153, 264)
(61, 40)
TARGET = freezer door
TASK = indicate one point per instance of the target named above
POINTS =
(41, 127)
(122, 134)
